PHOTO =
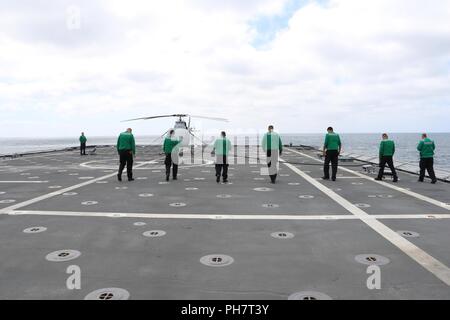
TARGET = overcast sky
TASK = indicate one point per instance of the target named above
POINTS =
(360, 66)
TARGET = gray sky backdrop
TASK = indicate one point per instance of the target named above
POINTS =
(361, 66)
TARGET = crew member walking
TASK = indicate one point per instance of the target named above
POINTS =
(426, 148)
(273, 147)
(126, 147)
(331, 150)
(222, 147)
(171, 150)
(83, 140)
(387, 150)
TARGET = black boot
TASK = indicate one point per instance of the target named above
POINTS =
(119, 177)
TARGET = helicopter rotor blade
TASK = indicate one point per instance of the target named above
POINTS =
(156, 117)
(210, 118)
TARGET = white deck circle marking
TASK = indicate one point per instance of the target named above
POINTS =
(263, 189)
(372, 259)
(293, 183)
(191, 189)
(270, 205)
(121, 188)
(216, 260)
(146, 195)
(108, 294)
(89, 203)
(102, 182)
(282, 235)
(139, 224)
(54, 187)
(306, 196)
(154, 233)
(224, 196)
(177, 204)
(163, 182)
(141, 178)
(362, 205)
(34, 230)
(408, 234)
(69, 193)
(309, 295)
(63, 255)
(7, 201)
(2, 192)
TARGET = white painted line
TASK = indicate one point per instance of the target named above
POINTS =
(224, 216)
(430, 263)
(56, 193)
(385, 184)
(23, 181)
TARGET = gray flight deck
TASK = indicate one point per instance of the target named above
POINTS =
(301, 235)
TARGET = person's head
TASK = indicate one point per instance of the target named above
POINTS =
(270, 128)
(129, 130)
(171, 132)
(82, 133)
(223, 134)
(424, 135)
(330, 129)
(385, 136)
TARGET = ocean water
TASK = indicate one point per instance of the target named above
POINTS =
(359, 143)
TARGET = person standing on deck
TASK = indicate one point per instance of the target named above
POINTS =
(387, 150)
(222, 147)
(426, 148)
(83, 140)
(273, 147)
(126, 147)
(171, 150)
(331, 150)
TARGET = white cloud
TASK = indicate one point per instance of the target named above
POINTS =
(358, 65)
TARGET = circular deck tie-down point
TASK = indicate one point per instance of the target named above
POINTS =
(154, 233)
(216, 260)
(177, 204)
(282, 235)
(372, 259)
(408, 234)
(108, 294)
(35, 230)
(309, 295)
(264, 189)
(63, 255)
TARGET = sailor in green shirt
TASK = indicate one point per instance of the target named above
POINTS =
(126, 147)
(331, 150)
(387, 150)
(171, 150)
(222, 147)
(83, 140)
(273, 147)
(426, 148)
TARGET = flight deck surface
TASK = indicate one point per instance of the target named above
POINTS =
(196, 239)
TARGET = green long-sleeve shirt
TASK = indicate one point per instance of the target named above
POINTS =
(83, 139)
(426, 148)
(332, 141)
(169, 144)
(222, 146)
(272, 141)
(126, 142)
(387, 148)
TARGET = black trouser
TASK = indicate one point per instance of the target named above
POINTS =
(168, 162)
(390, 162)
(427, 163)
(126, 158)
(274, 170)
(83, 148)
(222, 164)
(331, 156)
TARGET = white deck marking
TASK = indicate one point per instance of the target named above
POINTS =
(61, 191)
(405, 191)
(430, 263)
(224, 216)
(23, 181)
